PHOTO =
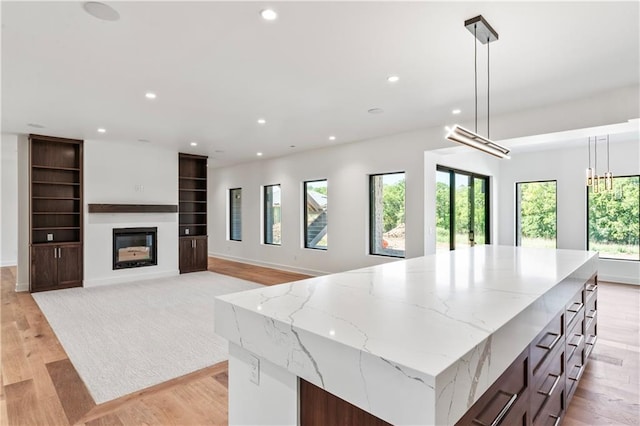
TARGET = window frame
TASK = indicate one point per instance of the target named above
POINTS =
(231, 214)
(304, 213)
(518, 242)
(371, 215)
(587, 227)
(264, 215)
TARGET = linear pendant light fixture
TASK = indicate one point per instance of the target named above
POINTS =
(484, 33)
(598, 183)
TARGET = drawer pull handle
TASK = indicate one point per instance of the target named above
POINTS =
(557, 422)
(553, 386)
(580, 305)
(591, 287)
(555, 341)
(579, 374)
(579, 340)
(505, 409)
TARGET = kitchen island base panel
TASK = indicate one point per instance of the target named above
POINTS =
(273, 400)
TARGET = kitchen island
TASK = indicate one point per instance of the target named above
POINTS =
(469, 334)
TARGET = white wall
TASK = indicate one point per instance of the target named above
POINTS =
(9, 200)
(113, 174)
(346, 168)
(567, 167)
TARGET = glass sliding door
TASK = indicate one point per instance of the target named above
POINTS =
(463, 225)
(536, 214)
(462, 209)
(443, 210)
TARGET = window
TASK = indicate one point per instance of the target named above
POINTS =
(272, 215)
(386, 223)
(235, 214)
(613, 220)
(315, 214)
(536, 214)
(462, 209)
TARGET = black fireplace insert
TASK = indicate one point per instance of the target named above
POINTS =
(134, 247)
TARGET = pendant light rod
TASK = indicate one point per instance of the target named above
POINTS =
(488, 91)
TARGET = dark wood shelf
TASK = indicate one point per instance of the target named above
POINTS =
(187, 201)
(193, 225)
(51, 228)
(70, 169)
(193, 212)
(55, 213)
(133, 208)
(193, 178)
(57, 198)
(193, 190)
(56, 183)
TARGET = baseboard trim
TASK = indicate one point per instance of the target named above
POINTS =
(8, 263)
(618, 279)
(22, 287)
(288, 268)
(125, 279)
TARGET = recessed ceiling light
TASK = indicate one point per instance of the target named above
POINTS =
(101, 11)
(375, 111)
(150, 95)
(269, 14)
(259, 154)
(194, 143)
(393, 78)
(332, 138)
(35, 125)
(101, 130)
(456, 111)
(262, 121)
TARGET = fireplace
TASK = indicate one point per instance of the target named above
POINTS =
(134, 247)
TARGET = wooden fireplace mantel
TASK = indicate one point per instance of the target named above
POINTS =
(133, 208)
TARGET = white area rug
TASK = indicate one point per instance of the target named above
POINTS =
(126, 337)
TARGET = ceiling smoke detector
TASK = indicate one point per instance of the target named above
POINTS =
(101, 11)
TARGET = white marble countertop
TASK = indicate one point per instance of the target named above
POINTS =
(426, 320)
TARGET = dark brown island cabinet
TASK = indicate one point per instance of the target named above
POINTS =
(192, 213)
(55, 204)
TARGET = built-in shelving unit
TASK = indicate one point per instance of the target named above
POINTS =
(192, 212)
(56, 212)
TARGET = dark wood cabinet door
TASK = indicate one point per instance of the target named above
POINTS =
(70, 266)
(44, 268)
(200, 261)
(185, 254)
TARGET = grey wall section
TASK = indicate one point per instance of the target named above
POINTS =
(9, 200)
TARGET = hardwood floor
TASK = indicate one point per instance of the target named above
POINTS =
(40, 386)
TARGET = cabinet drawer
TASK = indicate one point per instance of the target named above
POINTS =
(574, 307)
(575, 367)
(591, 288)
(506, 399)
(548, 383)
(552, 412)
(543, 345)
(590, 335)
(575, 338)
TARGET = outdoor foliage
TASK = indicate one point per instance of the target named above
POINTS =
(614, 217)
(538, 210)
(393, 205)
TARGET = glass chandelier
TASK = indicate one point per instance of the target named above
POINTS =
(596, 182)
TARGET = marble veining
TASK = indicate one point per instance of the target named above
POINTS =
(437, 328)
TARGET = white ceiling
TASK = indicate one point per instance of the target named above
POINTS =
(314, 72)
